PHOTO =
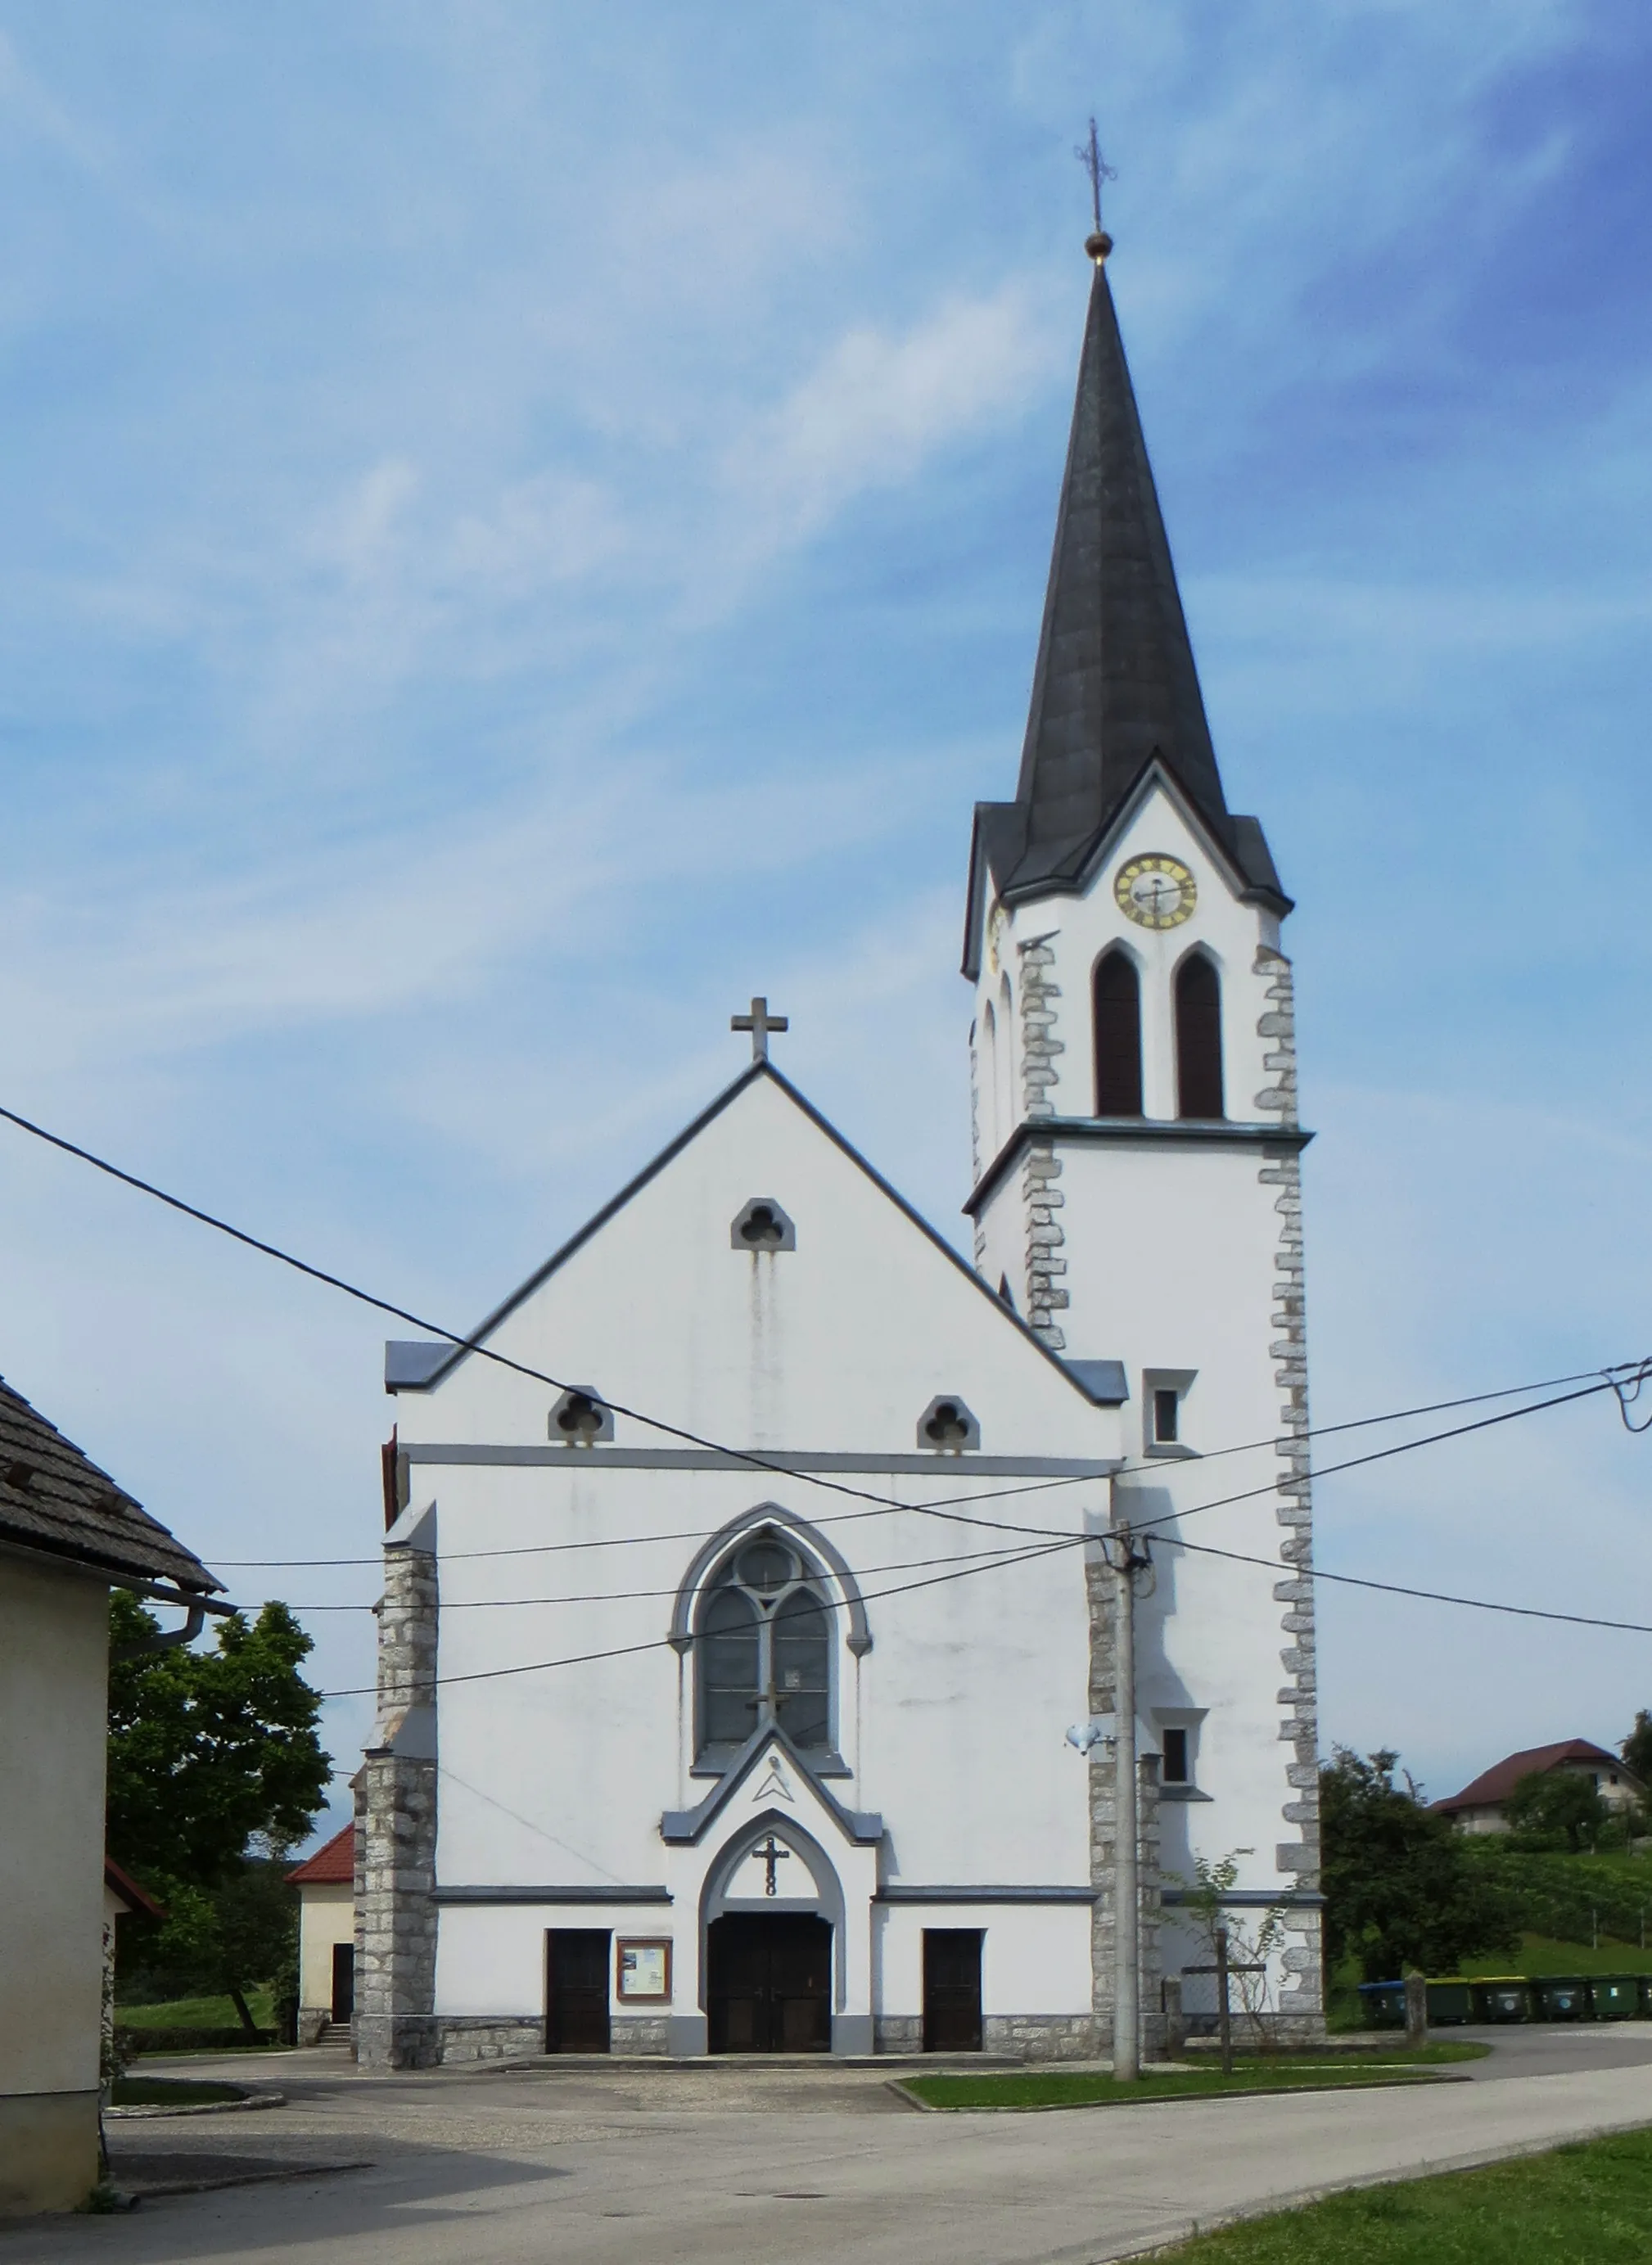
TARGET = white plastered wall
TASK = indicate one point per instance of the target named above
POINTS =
(53, 1705)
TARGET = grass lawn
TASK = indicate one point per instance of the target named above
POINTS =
(1077, 2088)
(1581, 2205)
(161, 2091)
(1538, 1954)
(197, 2013)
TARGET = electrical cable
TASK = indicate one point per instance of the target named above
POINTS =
(1278, 1567)
(1626, 1390)
(654, 1423)
(642, 1596)
(659, 1642)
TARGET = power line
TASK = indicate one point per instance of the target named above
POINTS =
(646, 1596)
(658, 1642)
(1626, 1388)
(949, 1514)
(1279, 1567)
(467, 1344)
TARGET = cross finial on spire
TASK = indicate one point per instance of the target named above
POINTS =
(1098, 244)
(759, 1022)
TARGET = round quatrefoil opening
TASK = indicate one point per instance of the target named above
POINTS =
(761, 1225)
(948, 1425)
(579, 1418)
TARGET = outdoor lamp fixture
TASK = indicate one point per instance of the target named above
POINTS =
(1096, 1732)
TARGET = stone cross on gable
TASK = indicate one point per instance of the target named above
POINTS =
(770, 1853)
(759, 1022)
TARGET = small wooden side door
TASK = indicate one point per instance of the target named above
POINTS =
(952, 1989)
(577, 1989)
(344, 1981)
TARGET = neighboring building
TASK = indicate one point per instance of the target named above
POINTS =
(326, 1935)
(1482, 1807)
(792, 1773)
(68, 1535)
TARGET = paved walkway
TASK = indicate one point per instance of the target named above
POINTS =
(735, 2163)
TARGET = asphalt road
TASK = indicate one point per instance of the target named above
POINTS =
(735, 2162)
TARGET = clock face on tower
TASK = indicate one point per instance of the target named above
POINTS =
(1155, 891)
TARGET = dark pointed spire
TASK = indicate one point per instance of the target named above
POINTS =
(1115, 686)
(1116, 683)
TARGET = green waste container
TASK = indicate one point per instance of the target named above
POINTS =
(1615, 1997)
(1504, 1998)
(1562, 1998)
(1383, 2005)
(1450, 2002)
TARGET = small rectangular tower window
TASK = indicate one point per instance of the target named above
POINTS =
(1164, 1412)
(1178, 1735)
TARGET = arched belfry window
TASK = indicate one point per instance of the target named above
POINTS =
(1118, 1037)
(764, 1653)
(1199, 1038)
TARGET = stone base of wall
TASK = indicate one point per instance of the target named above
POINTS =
(397, 2040)
(471, 2037)
(464, 2037)
(897, 2033)
(48, 2150)
(630, 2034)
(1042, 2036)
(312, 2020)
(1277, 2029)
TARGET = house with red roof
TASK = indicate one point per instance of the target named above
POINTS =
(326, 1882)
(1481, 1806)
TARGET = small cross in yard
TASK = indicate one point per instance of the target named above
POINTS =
(768, 1855)
(759, 1022)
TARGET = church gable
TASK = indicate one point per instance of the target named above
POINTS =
(760, 1285)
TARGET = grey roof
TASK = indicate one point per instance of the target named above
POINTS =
(55, 1500)
(1114, 688)
(1104, 1380)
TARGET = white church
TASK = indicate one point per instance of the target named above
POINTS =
(803, 1557)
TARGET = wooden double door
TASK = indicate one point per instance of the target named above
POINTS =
(769, 1983)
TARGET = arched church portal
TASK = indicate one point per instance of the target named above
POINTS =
(772, 1917)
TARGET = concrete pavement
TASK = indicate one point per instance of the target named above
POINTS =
(737, 2163)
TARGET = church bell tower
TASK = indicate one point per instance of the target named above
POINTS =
(1137, 1189)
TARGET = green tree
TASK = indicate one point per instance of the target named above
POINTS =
(209, 1749)
(1557, 1809)
(230, 1937)
(1401, 1888)
(215, 1771)
(1636, 1748)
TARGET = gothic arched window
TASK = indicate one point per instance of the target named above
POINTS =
(765, 1648)
(1199, 1038)
(1118, 1037)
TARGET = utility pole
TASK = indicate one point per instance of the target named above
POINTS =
(1126, 1562)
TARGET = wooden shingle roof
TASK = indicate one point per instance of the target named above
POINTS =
(55, 1500)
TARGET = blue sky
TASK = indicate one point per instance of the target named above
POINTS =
(526, 524)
